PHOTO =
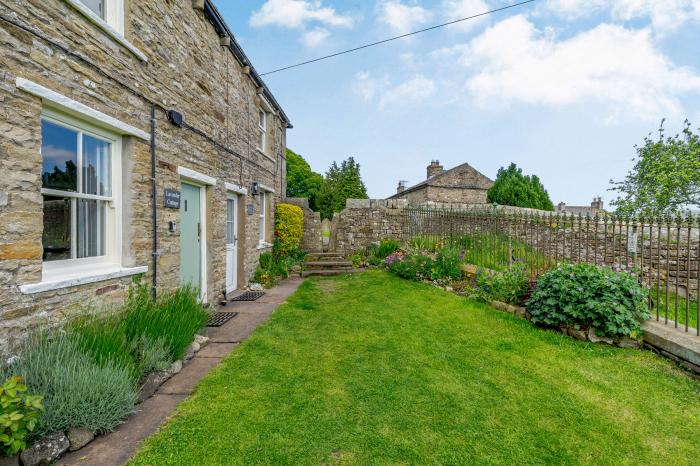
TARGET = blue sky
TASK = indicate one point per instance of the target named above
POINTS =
(563, 88)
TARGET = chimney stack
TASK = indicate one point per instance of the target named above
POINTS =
(434, 168)
(402, 187)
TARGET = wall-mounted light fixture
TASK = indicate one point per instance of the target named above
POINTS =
(175, 118)
(255, 189)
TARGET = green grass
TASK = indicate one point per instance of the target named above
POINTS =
(670, 304)
(371, 369)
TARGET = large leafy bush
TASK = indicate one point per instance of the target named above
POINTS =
(289, 228)
(585, 295)
(19, 414)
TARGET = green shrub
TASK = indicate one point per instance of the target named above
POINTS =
(446, 265)
(585, 295)
(411, 267)
(509, 286)
(386, 247)
(173, 319)
(289, 228)
(77, 392)
(19, 414)
(103, 339)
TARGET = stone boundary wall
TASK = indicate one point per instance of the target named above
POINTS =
(312, 239)
(366, 221)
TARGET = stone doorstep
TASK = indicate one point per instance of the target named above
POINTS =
(685, 346)
(117, 447)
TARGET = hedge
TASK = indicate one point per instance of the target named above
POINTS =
(289, 228)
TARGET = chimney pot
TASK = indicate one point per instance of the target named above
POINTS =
(434, 168)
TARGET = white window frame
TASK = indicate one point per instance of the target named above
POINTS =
(262, 128)
(52, 270)
(263, 219)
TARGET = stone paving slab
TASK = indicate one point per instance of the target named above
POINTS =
(116, 448)
(240, 327)
(216, 350)
(184, 382)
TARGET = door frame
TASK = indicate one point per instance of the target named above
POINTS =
(236, 197)
(200, 181)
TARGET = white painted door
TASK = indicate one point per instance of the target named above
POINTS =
(231, 243)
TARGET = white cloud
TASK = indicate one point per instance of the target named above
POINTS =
(621, 68)
(385, 93)
(315, 37)
(413, 90)
(296, 13)
(665, 16)
(402, 18)
(458, 9)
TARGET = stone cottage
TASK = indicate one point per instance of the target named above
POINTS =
(135, 138)
(462, 185)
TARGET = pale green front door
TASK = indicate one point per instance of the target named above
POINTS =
(190, 236)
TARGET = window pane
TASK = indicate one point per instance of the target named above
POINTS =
(261, 142)
(229, 221)
(91, 228)
(262, 117)
(263, 215)
(97, 6)
(59, 153)
(96, 167)
(57, 228)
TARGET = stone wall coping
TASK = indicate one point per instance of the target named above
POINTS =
(54, 99)
(84, 278)
(196, 176)
(107, 28)
(233, 187)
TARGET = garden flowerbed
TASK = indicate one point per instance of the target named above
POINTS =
(91, 373)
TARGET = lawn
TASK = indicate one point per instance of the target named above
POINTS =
(371, 369)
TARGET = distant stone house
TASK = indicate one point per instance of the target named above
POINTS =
(596, 208)
(135, 138)
(462, 185)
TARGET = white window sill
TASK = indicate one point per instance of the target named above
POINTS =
(264, 245)
(264, 154)
(81, 277)
(107, 28)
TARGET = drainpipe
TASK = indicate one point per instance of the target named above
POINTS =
(154, 193)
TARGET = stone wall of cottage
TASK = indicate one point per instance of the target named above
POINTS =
(187, 70)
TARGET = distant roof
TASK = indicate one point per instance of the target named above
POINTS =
(440, 175)
(215, 18)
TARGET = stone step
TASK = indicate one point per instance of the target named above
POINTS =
(328, 264)
(327, 273)
(336, 257)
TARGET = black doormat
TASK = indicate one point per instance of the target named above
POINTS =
(220, 318)
(249, 296)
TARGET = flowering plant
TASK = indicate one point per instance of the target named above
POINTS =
(397, 256)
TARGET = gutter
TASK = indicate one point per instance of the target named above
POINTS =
(222, 29)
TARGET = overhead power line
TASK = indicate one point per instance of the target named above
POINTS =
(373, 44)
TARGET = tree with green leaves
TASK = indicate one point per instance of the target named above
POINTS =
(301, 180)
(665, 178)
(342, 182)
(515, 189)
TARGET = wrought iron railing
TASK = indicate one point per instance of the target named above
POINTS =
(662, 252)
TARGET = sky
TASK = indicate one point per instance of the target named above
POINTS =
(563, 88)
